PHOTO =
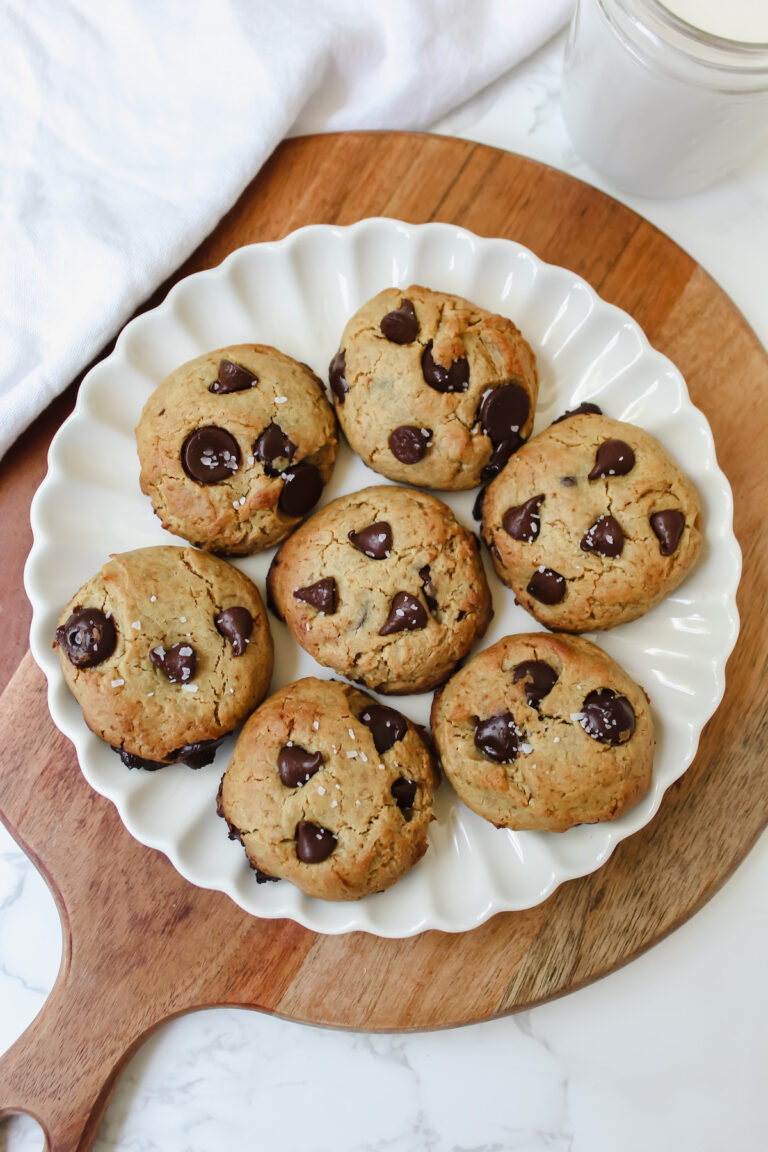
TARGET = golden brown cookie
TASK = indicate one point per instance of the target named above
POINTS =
(166, 650)
(432, 390)
(384, 586)
(330, 790)
(236, 447)
(544, 732)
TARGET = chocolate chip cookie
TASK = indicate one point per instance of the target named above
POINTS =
(166, 650)
(330, 790)
(544, 732)
(384, 586)
(592, 523)
(236, 447)
(432, 390)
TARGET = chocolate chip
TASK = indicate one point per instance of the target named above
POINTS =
(263, 877)
(503, 411)
(401, 327)
(313, 843)
(302, 488)
(375, 540)
(232, 378)
(568, 481)
(426, 582)
(406, 614)
(87, 637)
(337, 376)
(522, 522)
(210, 455)
(585, 409)
(605, 537)
(668, 527)
(539, 677)
(387, 726)
(452, 379)
(497, 737)
(404, 792)
(271, 446)
(607, 717)
(500, 455)
(178, 662)
(547, 586)
(132, 761)
(196, 755)
(477, 507)
(321, 595)
(236, 625)
(409, 444)
(614, 458)
(296, 765)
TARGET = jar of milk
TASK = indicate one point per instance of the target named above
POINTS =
(663, 98)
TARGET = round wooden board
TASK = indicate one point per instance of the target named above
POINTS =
(140, 943)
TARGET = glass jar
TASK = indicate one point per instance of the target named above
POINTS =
(658, 106)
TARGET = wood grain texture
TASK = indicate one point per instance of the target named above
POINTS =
(141, 944)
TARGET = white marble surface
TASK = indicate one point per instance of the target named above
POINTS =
(669, 1054)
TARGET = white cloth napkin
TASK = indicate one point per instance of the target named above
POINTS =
(128, 129)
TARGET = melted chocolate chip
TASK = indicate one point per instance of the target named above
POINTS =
(232, 378)
(321, 595)
(178, 662)
(668, 527)
(604, 537)
(404, 792)
(409, 444)
(87, 637)
(585, 409)
(426, 582)
(337, 376)
(313, 843)
(614, 458)
(498, 737)
(302, 488)
(503, 411)
(401, 327)
(607, 717)
(375, 540)
(477, 507)
(453, 379)
(296, 765)
(539, 677)
(236, 625)
(500, 455)
(547, 586)
(197, 755)
(210, 455)
(406, 614)
(387, 726)
(132, 761)
(263, 877)
(271, 446)
(522, 522)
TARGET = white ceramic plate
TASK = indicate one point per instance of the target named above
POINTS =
(297, 294)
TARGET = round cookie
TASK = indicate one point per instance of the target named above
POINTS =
(236, 447)
(544, 732)
(432, 390)
(330, 790)
(385, 587)
(591, 524)
(166, 650)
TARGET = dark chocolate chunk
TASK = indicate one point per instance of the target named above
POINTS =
(271, 446)
(236, 625)
(210, 455)
(453, 379)
(498, 737)
(426, 582)
(568, 481)
(503, 411)
(87, 637)
(547, 586)
(668, 527)
(501, 453)
(197, 755)
(409, 444)
(322, 595)
(178, 662)
(477, 507)
(406, 614)
(232, 378)
(584, 409)
(401, 327)
(302, 488)
(614, 458)
(404, 792)
(375, 540)
(132, 761)
(296, 765)
(539, 677)
(337, 376)
(522, 522)
(313, 843)
(387, 725)
(263, 877)
(607, 717)
(605, 537)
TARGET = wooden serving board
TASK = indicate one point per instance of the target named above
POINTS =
(141, 944)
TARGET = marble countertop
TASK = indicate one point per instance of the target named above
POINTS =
(669, 1053)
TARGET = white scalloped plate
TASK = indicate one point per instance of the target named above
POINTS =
(297, 294)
